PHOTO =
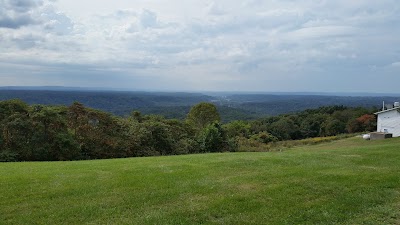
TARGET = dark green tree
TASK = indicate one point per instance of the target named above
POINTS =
(285, 129)
(334, 126)
(211, 138)
(51, 138)
(311, 126)
(17, 136)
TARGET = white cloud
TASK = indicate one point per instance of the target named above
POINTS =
(321, 32)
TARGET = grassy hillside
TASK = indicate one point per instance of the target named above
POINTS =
(349, 181)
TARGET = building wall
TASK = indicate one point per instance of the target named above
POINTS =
(389, 122)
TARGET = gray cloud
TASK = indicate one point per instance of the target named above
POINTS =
(17, 13)
(22, 5)
(56, 22)
(27, 41)
(148, 19)
(252, 45)
(15, 22)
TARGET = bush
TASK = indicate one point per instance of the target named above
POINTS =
(8, 156)
(186, 146)
(252, 145)
(232, 145)
(264, 137)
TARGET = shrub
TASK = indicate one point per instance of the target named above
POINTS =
(252, 145)
(264, 137)
(186, 146)
(8, 156)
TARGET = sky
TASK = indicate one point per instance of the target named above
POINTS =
(194, 45)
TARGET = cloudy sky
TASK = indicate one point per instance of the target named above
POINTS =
(201, 45)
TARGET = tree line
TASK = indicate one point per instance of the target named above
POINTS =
(76, 132)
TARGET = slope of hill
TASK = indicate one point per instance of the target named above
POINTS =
(349, 181)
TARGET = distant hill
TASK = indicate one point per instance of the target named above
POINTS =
(120, 103)
(177, 104)
(279, 104)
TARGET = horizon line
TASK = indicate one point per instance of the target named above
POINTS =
(82, 88)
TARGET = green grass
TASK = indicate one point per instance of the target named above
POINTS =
(349, 181)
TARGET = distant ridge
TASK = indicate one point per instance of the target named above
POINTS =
(232, 105)
(210, 93)
(341, 94)
(56, 88)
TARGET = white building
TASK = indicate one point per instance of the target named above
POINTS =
(389, 120)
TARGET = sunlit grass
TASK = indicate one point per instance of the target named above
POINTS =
(349, 181)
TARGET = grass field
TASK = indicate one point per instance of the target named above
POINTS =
(349, 181)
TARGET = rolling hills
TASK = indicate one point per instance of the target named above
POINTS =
(232, 106)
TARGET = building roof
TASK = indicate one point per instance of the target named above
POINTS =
(387, 110)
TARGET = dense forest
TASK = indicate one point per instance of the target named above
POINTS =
(76, 132)
(177, 105)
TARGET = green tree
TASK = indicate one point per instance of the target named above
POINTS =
(155, 135)
(65, 147)
(202, 115)
(311, 126)
(285, 129)
(10, 107)
(17, 136)
(136, 115)
(51, 138)
(237, 128)
(334, 126)
(211, 138)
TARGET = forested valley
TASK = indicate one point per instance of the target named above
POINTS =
(34, 132)
(176, 105)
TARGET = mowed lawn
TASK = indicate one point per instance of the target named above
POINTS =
(350, 181)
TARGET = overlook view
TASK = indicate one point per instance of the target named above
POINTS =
(199, 112)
